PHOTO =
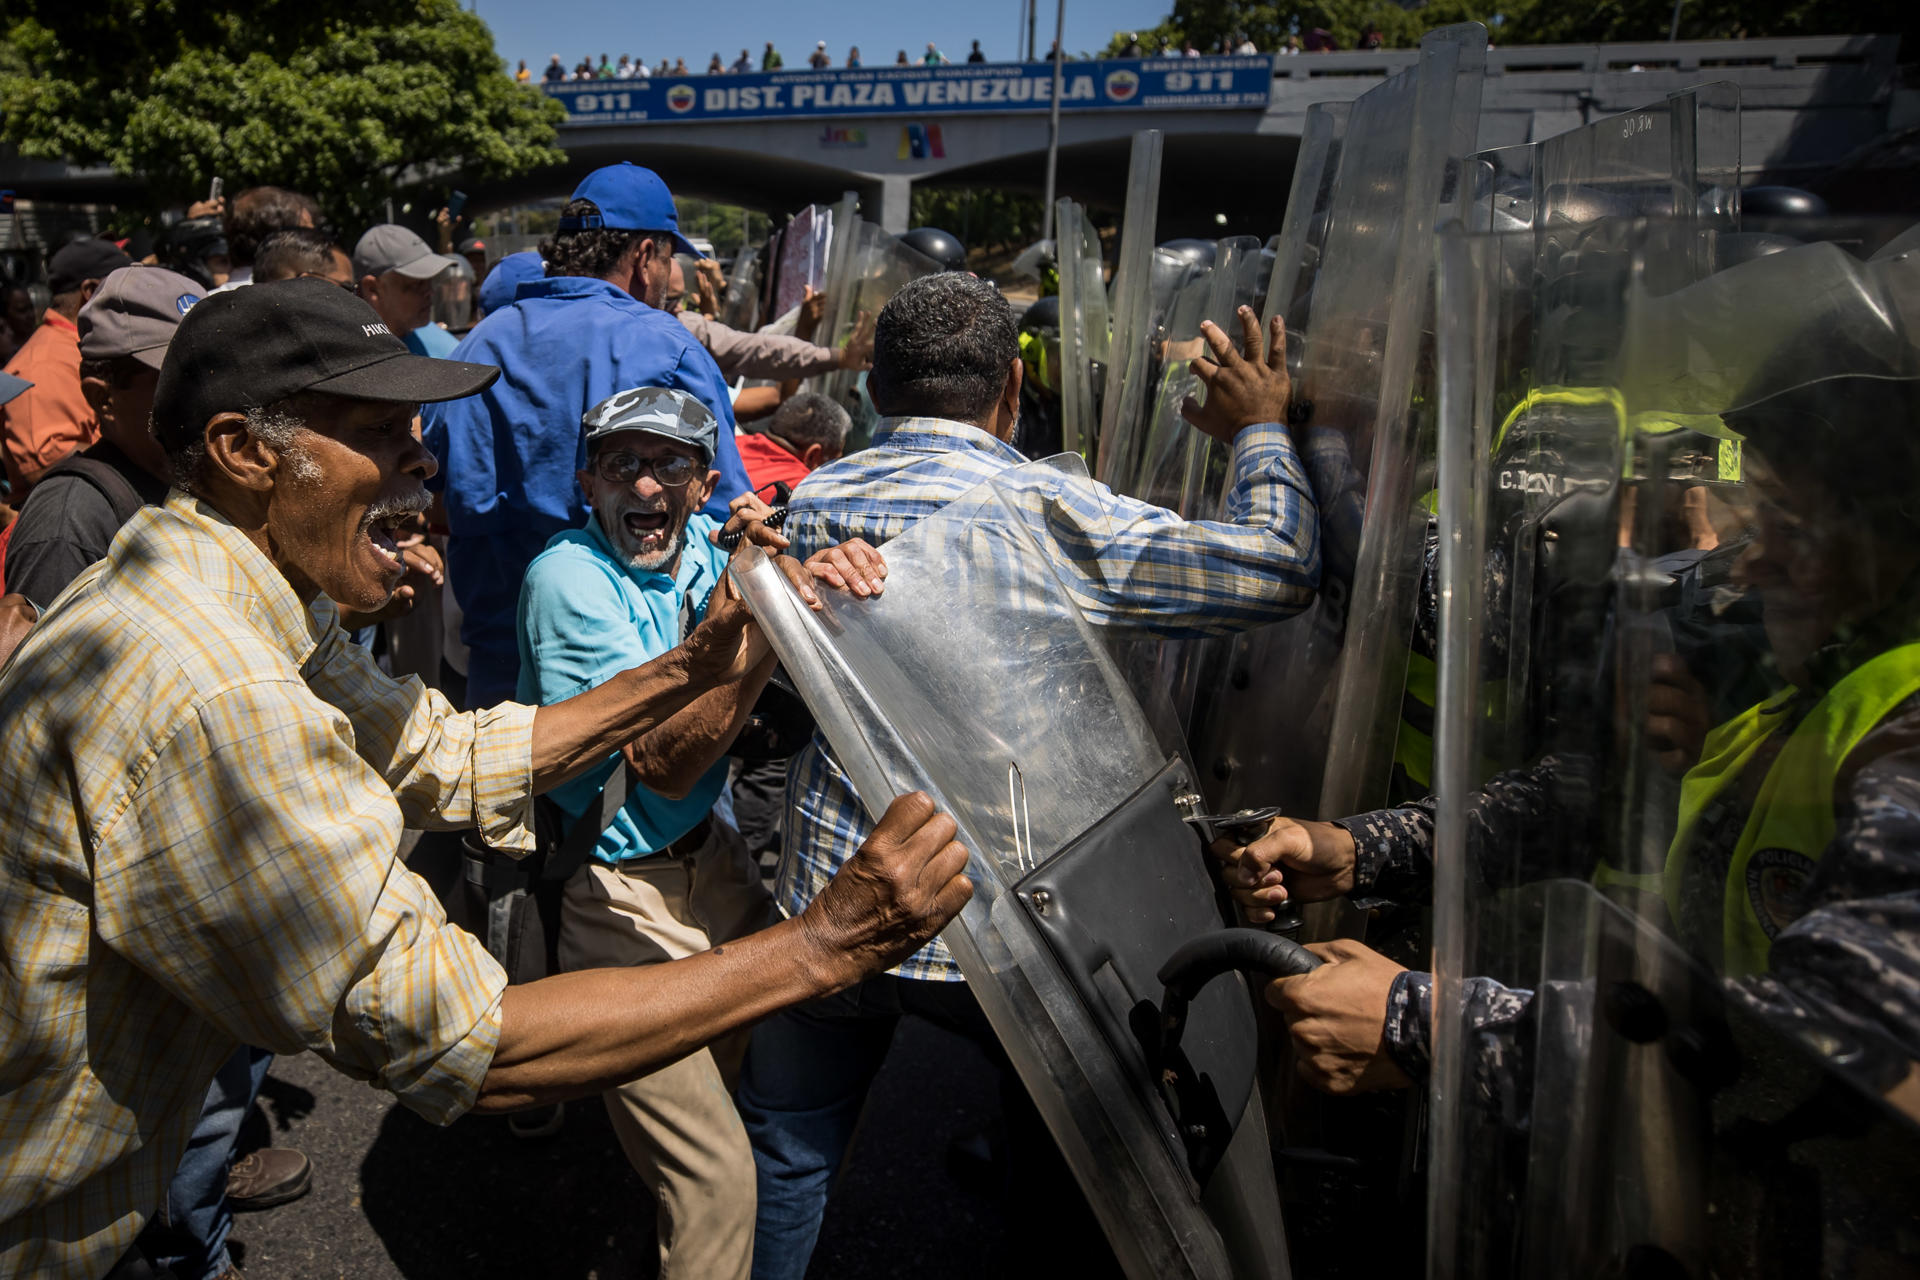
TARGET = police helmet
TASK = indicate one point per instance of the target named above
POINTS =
(1774, 203)
(1198, 252)
(942, 246)
(191, 241)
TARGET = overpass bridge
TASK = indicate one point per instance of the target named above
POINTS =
(778, 140)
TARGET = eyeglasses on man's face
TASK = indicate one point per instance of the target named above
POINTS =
(618, 466)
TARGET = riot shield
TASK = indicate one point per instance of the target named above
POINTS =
(869, 268)
(1298, 248)
(1130, 305)
(453, 296)
(1563, 209)
(741, 307)
(1669, 1034)
(1084, 328)
(975, 679)
(1177, 460)
(1357, 294)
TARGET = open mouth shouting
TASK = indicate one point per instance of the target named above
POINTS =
(645, 527)
(384, 524)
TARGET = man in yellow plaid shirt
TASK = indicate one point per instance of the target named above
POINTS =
(206, 783)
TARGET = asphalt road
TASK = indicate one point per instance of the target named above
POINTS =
(394, 1196)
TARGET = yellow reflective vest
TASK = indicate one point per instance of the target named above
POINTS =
(1791, 823)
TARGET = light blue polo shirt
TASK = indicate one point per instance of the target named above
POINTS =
(586, 616)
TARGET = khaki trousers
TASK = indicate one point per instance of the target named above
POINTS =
(678, 1126)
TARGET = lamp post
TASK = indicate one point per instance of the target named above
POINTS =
(1053, 117)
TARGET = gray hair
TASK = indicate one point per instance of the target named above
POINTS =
(276, 424)
(811, 418)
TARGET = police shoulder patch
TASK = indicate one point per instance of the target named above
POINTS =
(1777, 882)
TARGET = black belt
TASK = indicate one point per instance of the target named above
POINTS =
(685, 847)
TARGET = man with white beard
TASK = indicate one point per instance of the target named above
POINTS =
(667, 878)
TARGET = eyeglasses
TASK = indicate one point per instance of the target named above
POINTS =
(348, 285)
(621, 467)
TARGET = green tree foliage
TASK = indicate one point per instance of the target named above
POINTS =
(728, 226)
(1207, 22)
(984, 218)
(348, 103)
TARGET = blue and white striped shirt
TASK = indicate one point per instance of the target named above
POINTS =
(1130, 564)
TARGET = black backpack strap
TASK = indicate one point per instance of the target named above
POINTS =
(586, 829)
(114, 487)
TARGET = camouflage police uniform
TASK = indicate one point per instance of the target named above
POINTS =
(1845, 931)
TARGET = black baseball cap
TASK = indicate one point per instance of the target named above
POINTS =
(249, 348)
(83, 260)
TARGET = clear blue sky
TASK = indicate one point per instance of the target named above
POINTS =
(535, 29)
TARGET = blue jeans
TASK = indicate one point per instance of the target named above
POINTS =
(189, 1235)
(806, 1077)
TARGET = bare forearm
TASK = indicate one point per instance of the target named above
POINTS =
(576, 1034)
(571, 735)
(754, 403)
(670, 759)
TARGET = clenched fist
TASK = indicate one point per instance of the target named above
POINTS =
(899, 890)
(1293, 862)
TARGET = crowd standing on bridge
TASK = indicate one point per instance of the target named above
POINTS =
(628, 67)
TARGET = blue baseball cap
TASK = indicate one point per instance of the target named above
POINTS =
(508, 274)
(631, 199)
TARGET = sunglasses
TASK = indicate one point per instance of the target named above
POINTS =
(621, 467)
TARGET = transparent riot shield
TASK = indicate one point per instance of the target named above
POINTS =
(975, 678)
(1297, 250)
(1671, 1033)
(1130, 306)
(453, 296)
(1358, 295)
(1084, 328)
(1181, 468)
(741, 307)
(869, 268)
(1564, 209)
(1178, 461)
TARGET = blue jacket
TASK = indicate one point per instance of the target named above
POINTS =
(508, 455)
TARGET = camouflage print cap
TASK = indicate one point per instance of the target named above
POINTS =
(660, 411)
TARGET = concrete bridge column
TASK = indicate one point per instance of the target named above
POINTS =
(896, 204)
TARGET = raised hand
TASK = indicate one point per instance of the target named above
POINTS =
(1244, 387)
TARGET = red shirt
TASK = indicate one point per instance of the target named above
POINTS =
(766, 462)
(45, 424)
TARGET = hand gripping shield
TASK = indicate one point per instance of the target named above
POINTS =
(1668, 1029)
(976, 679)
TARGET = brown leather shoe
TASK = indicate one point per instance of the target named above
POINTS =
(268, 1177)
